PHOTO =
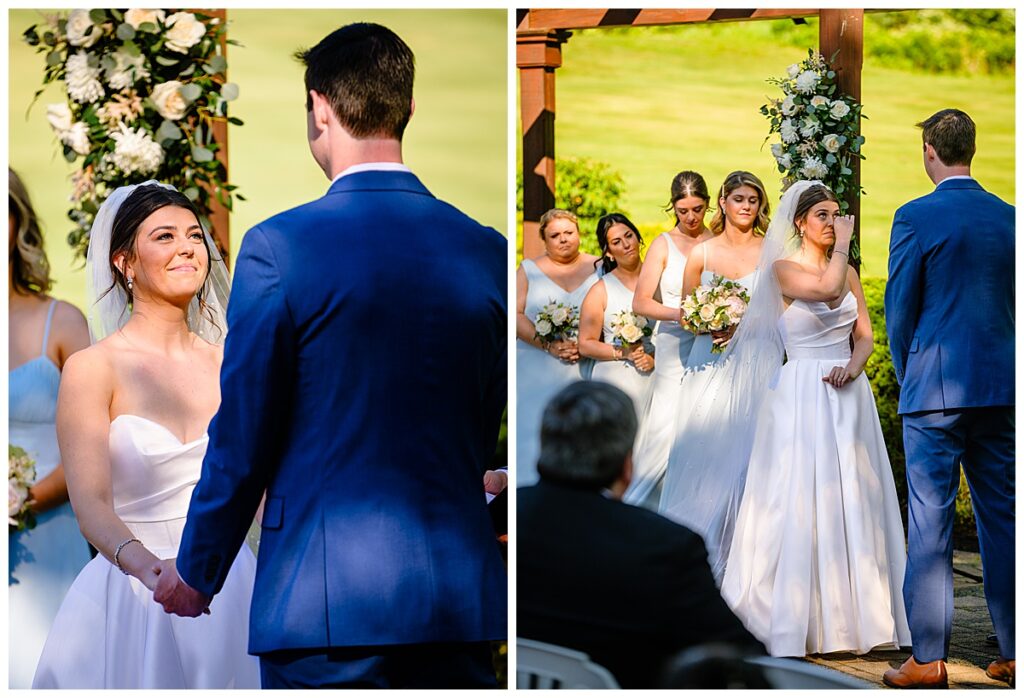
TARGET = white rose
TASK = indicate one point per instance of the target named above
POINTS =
(168, 100)
(831, 143)
(736, 308)
(135, 151)
(59, 116)
(707, 312)
(717, 324)
(139, 17)
(689, 305)
(82, 80)
(786, 160)
(807, 81)
(543, 328)
(839, 109)
(788, 131)
(81, 31)
(17, 495)
(813, 168)
(127, 70)
(184, 31)
(560, 316)
(819, 101)
(632, 333)
(793, 70)
(77, 138)
(809, 126)
(788, 106)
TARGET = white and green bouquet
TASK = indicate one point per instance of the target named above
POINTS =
(20, 476)
(715, 307)
(628, 328)
(556, 321)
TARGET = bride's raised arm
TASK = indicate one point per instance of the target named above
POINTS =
(797, 282)
(83, 434)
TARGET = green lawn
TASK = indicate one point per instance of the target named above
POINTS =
(456, 141)
(652, 102)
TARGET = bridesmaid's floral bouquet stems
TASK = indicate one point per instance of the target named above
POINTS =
(557, 321)
(21, 474)
(715, 307)
(628, 328)
(143, 89)
(818, 129)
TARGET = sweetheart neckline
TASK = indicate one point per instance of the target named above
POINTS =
(174, 436)
(32, 361)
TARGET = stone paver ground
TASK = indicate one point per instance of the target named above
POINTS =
(969, 655)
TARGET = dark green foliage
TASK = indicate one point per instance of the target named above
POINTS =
(882, 376)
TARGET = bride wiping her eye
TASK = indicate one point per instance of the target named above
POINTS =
(132, 416)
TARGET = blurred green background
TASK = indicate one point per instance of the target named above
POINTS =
(653, 101)
(456, 141)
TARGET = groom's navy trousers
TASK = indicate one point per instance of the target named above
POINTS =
(950, 320)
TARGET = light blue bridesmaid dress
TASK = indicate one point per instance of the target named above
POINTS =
(44, 561)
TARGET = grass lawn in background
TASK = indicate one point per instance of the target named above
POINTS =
(456, 141)
(654, 101)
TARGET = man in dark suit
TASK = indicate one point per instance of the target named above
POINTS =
(343, 399)
(950, 319)
(624, 585)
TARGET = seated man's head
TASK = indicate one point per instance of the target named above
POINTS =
(586, 437)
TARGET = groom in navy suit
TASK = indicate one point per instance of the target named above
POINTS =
(363, 384)
(950, 319)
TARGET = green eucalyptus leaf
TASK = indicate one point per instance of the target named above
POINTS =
(229, 91)
(117, 14)
(164, 60)
(131, 48)
(125, 32)
(49, 39)
(235, 120)
(108, 64)
(188, 71)
(219, 64)
(93, 60)
(168, 131)
(201, 154)
(191, 91)
(98, 16)
(149, 28)
(54, 58)
(69, 154)
(192, 193)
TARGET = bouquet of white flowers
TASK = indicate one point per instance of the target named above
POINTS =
(21, 474)
(629, 328)
(715, 307)
(555, 321)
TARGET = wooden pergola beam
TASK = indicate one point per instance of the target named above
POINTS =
(548, 20)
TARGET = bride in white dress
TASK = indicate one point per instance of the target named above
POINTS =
(817, 559)
(562, 274)
(704, 479)
(658, 297)
(131, 423)
(626, 366)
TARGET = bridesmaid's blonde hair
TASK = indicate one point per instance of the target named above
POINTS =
(30, 270)
(554, 214)
(735, 180)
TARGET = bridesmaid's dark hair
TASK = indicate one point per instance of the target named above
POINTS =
(687, 183)
(735, 180)
(603, 225)
(811, 197)
(124, 233)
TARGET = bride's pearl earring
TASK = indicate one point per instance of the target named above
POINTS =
(129, 283)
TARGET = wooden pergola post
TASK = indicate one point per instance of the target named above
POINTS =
(538, 54)
(841, 32)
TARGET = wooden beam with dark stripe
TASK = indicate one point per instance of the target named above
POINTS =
(551, 19)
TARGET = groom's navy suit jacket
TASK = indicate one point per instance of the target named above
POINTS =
(363, 384)
(949, 300)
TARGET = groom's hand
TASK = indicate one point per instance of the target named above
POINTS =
(176, 596)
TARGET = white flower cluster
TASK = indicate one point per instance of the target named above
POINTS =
(20, 476)
(715, 307)
(82, 79)
(628, 328)
(74, 134)
(557, 320)
(135, 151)
(127, 70)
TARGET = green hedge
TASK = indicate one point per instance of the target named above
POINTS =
(882, 376)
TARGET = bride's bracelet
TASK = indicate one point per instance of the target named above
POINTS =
(117, 553)
(841, 252)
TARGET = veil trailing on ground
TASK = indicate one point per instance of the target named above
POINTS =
(108, 309)
(714, 433)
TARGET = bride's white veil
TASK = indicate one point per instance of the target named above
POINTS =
(108, 309)
(715, 431)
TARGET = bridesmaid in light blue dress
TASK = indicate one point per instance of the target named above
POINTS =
(562, 274)
(658, 297)
(700, 493)
(43, 561)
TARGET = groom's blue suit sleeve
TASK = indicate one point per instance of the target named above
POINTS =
(902, 291)
(255, 379)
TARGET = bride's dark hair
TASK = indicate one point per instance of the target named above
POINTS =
(812, 196)
(140, 204)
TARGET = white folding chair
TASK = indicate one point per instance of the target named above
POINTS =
(792, 673)
(540, 665)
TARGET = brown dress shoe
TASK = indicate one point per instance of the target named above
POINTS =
(1003, 670)
(915, 675)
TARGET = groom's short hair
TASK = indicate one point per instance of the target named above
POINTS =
(586, 434)
(951, 132)
(366, 73)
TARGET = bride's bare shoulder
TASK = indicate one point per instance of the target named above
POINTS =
(96, 359)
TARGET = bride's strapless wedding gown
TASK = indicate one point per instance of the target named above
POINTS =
(109, 633)
(817, 559)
